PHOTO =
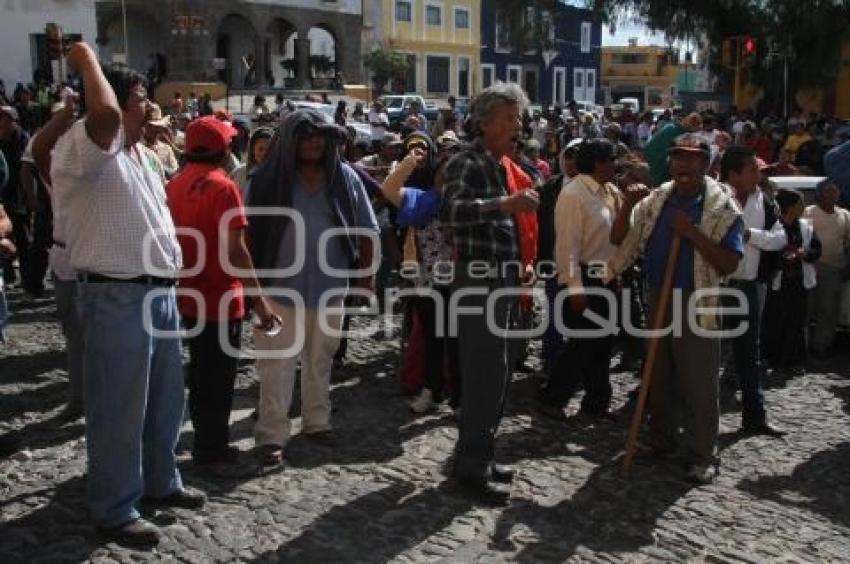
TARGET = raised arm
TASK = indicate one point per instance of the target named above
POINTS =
(103, 114)
(393, 186)
(46, 138)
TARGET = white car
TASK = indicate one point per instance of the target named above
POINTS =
(803, 184)
(363, 132)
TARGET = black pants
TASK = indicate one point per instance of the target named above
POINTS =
(212, 374)
(32, 249)
(436, 348)
(746, 352)
(583, 360)
(783, 327)
(485, 369)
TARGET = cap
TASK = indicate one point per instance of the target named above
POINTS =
(153, 116)
(689, 143)
(9, 111)
(574, 144)
(209, 135)
(447, 139)
(391, 139)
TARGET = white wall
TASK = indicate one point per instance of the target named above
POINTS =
(21, 18)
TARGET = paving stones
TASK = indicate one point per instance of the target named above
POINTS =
(381, 496)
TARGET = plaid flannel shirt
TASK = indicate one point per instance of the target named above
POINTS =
(475, 184)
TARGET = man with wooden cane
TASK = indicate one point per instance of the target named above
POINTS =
(697, 217)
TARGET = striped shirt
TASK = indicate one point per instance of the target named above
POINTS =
(475, 185)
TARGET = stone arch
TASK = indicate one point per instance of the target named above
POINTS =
(281, 53)
(236, 41)
(145, 34)
(324, 52)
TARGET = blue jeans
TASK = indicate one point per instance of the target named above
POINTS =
(66, 310)
(133, 397)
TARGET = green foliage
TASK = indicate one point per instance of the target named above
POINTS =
(385, 64)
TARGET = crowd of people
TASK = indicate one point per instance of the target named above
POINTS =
(487, 223)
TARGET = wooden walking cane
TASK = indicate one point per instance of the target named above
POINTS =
(660, 315)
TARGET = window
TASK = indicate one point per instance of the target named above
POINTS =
(437, 74)
(486, 76)
(403, 11)
(513, 73)
(410, 78)
(502, 36)
(433, 15)
(630, 58)
(463, 75)
(578, 78)
(591, 79)
(461, 18)
(585, 37)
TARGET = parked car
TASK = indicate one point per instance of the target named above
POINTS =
(398, 108)
(803, 184)
(363, 132)
(632, 103)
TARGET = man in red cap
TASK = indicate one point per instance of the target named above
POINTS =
(202, 198)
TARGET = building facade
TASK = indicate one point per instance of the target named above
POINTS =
(441, 39)
(259, 43)
(650, 74)
(568, 71)
(23, 48)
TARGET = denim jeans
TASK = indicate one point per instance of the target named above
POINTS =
(133, 397)
(66, 310)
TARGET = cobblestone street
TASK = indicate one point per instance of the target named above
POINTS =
(382, 495)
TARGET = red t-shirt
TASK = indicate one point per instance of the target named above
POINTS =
(198, 198)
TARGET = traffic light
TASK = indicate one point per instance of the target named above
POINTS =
(748, 51)
(54, 41)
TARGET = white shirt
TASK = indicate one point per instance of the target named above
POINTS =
(833, 231)
(584, 215)
(112, 207)
(380, 123)
(760, 240)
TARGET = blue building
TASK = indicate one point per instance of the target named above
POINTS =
(569, 71)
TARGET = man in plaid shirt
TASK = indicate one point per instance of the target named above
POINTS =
(479, 211)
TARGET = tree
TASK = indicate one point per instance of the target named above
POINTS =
(810, 32)
(385, 65)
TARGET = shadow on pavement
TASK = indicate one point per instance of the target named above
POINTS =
(375, 527)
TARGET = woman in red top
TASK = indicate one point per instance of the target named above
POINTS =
(206, 206)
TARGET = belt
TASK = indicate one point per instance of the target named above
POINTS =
(92, 278)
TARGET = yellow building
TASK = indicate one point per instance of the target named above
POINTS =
(442, 38)
(647, 73)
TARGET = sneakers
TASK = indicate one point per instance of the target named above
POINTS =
(702, 474)
(424, 403)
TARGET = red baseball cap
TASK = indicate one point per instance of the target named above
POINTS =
(209, 135)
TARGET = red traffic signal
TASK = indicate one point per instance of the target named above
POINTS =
(749, 46)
